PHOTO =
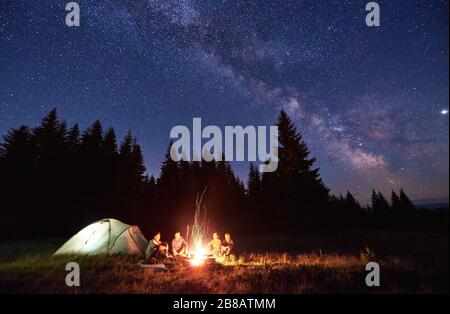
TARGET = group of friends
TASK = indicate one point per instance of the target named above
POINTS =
(158, 249)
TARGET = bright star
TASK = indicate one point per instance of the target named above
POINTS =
(444, 112)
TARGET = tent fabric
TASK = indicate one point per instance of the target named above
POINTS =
(106, 236)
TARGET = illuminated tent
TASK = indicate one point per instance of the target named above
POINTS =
(106, 236)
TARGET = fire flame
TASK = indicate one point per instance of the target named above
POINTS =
(198, 258)
(199, 231)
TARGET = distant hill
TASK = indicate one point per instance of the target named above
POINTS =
(431, 205)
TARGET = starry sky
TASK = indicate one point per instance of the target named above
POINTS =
(371, 103)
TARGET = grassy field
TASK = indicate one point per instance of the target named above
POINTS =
(410, 262)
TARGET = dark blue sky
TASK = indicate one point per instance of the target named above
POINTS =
(368, 101)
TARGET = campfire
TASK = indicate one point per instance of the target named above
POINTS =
(198, 234)
(198, 257)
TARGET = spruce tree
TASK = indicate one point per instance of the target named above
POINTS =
(253, 183)
(16, 168)
(381, 209)
(168, 186)
(137, 166)
(109, 146)
(50, 167)
(395, 203)
(383, 203)
(405, 203)
(169, 173)
(254, 213)
(302, 198)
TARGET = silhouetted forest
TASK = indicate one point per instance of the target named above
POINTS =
(55, 179)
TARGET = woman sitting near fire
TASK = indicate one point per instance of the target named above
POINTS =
(214, 245)
(156, 249)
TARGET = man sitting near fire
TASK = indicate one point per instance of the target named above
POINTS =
(227, 245)
(214, 245)
(156, 249)
(178, 245)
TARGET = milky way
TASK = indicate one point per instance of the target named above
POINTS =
(372, 103)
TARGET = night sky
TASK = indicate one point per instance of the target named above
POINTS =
(370, 102)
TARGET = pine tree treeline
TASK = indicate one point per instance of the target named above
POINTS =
(294, 198)
(399, 213)
(180, 183)
(54, 180)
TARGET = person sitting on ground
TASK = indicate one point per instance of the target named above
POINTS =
(214, 245)
(178, 245)
(227, 245)
(156, 249)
